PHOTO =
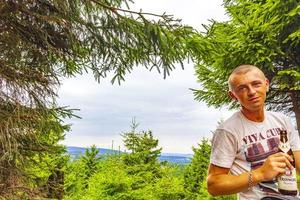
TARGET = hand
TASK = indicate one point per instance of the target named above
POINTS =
(274, 166)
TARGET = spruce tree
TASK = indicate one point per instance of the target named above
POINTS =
(45, 41)
(263, 33)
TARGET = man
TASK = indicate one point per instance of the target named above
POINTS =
(245, 158)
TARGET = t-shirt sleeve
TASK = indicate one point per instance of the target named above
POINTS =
(293, 136)
(224, 148)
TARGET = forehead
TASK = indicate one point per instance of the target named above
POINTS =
(246, 77)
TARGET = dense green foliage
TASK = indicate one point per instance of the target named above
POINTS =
(195, 174)
(134, 175)
(263, 33)
(113, 181)
(63, 38)
(44, 41)
(34, 159)
(130, 176)
(144, 153)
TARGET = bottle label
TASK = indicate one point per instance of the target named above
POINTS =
(288, 181)
(284, 147)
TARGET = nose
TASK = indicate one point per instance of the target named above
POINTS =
(251, 91)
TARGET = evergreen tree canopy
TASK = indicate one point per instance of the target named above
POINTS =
(144, 152)
(90, 161)
(263, 33)
(59, 38)
(43, 41)
(135, 175)
(196, 172)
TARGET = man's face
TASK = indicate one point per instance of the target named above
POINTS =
(250, 89)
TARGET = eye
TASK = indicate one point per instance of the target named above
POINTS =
(257, 84)
(241, 89)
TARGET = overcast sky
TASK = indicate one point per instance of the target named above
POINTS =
(165, 106)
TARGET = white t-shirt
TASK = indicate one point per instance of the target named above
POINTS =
(243, 145)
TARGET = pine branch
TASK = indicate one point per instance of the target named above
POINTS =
(114, 10)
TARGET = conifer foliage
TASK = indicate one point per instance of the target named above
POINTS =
(263, 33)
(135, 175)
(44, 41)
(196, 172)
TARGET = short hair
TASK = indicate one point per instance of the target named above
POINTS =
(242, 69)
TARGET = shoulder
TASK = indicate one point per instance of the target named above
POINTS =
(226, 131)
(271, 115)
(275, 114)
(231, 121)
(280, 119)
(232, 124)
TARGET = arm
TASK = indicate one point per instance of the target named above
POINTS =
(220, 182)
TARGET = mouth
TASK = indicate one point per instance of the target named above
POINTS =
(253, 99)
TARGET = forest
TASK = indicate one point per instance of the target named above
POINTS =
(43, 42)
(136, 175)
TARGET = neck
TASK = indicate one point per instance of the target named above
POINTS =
(256, 116)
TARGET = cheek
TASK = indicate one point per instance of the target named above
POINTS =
(263, 93)
(242, 98)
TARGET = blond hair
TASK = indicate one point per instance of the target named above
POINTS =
(243, 69)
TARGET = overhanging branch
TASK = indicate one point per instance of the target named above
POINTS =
(114, 9)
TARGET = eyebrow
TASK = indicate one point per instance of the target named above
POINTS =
(257, 81)
(240, 86)
(243, 85)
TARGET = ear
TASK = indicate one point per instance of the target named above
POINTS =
(267, 84)
(232, 96)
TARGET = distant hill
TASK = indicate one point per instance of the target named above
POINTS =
(177, 158)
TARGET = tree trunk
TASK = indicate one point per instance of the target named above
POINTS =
(295, 95)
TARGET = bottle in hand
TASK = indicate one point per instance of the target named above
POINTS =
(287, 182)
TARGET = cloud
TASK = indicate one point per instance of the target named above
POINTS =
(165, 106)
(192, 12)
